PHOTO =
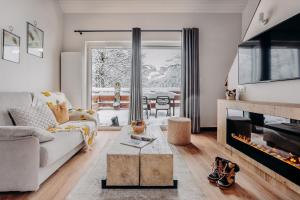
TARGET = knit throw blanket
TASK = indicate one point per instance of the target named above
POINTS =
(88, 132)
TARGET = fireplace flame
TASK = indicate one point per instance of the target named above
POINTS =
(288, 158)
(294, 159)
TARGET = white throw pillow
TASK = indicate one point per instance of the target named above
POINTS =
(46, 97)
(36, 116)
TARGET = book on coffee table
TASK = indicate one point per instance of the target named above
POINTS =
(138, 141)
(142, 138)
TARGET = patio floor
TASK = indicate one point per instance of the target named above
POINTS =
(105, 116)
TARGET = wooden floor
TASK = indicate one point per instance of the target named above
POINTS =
(198, 155)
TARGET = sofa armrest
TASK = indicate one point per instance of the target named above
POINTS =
(19, 161)
(17, 132)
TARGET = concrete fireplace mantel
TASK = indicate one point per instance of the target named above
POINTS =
(286, 110)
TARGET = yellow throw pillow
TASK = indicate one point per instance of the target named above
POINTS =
(60, 112)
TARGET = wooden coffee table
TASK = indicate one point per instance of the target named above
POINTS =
(147, 167)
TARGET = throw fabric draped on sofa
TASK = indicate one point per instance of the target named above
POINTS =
(190, 100)
(135, 110)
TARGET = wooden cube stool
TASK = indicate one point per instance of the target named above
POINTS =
(179, 130)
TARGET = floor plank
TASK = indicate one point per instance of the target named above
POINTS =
(198, 156)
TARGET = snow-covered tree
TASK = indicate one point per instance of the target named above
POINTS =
(110, 66)
(114, 65)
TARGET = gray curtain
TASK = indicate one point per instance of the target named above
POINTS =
(190, 106)
(135, 109)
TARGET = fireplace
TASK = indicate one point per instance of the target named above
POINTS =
(272, 141)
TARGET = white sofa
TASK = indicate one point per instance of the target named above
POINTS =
(25, 163)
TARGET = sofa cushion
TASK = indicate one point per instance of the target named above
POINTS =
(10, 100)
(38, 116)
(63, 143)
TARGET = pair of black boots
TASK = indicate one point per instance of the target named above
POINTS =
(223, 173)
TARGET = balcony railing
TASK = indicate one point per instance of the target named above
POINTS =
(104, 98)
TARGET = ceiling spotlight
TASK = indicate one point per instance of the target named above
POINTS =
(262, 18)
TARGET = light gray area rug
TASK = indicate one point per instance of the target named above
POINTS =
(89, 186)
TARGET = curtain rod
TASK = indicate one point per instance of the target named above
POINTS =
(103, 31)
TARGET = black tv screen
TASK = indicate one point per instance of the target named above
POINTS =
(272, 55)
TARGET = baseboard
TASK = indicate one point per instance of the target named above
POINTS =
(109, 128)
(163, 127)
(208, 129)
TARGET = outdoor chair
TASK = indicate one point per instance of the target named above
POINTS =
(146, 105)
(163, 103)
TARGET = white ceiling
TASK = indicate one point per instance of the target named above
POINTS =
(153, 6)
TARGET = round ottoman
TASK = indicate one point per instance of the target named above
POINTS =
(179, 130)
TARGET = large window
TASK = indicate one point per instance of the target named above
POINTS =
(111, 67)
(161, 68)
(110, 80)
(161, 78)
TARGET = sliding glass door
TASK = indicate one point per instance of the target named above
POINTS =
(110, 66)
(161, 79)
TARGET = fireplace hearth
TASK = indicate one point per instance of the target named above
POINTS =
(270, 140)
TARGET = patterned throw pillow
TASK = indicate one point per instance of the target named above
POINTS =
(37, 116)
(46, 97)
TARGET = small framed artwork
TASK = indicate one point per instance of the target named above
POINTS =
(10, 47)
(35, 41)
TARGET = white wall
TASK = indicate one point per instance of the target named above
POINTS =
(219, 37)
(71, 77)
(248, 13)
(283, 91)
(276, 10)
(32, 74)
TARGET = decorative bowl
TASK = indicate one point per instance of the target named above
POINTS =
(138, 127)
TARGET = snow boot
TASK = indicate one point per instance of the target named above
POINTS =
(227, 176)
(217, 168)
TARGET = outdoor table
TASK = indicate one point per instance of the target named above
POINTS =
(153, 95)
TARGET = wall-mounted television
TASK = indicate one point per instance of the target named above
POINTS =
(273, 55)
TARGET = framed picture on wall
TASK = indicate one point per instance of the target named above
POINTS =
(35, 41)
(10, 47)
